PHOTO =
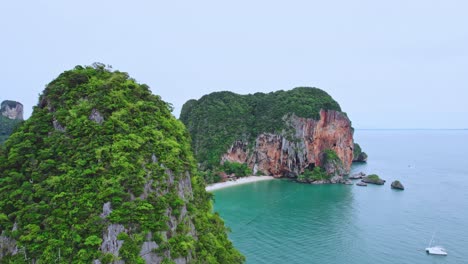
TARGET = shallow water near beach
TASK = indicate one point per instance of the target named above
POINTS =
(280, 221)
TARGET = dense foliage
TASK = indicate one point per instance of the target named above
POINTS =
(97, 136)
(373, 177)
(356, 150)
(316, 174)
(216, 120)
(238, 169)
(6, 127)
(330, 156)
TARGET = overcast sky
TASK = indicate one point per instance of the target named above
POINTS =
(390, 64)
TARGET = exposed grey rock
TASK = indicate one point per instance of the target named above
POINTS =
(148, 254)
(361, 183)
(96, 116)
(147, 189)
(147, 250)
(12, 109)
(170, 174)
(106, 210)
(337, 179)
(348, 182)
(110, 244)
(397, 185)
(184, 188)
(320, 182)
(357, 176)
(172, 222)
(57, 125)
(8, 245)
(180, 261)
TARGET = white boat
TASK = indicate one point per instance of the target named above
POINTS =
(435, 250)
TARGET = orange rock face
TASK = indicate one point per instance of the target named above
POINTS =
(300, 146)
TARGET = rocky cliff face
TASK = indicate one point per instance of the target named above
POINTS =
(301, 145)
(12, 110)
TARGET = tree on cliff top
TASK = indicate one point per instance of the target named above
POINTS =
(217, 120)
(99, 137)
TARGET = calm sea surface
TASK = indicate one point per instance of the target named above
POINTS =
(284, 222)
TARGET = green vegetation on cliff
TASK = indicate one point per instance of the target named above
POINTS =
(356, 150)
(217, 120)
(331, 161)
(6, 127)
(238, 169)
(316, 174)
(99, 137)
(330, 156)
(358, 154)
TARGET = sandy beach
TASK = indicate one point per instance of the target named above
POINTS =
(243, 180)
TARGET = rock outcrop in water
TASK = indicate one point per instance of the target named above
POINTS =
(373, 179)
(283, 134)
(103, 173)
(397, 185)
(358, 154)
(357, 176)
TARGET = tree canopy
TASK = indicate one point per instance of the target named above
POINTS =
(7, 126)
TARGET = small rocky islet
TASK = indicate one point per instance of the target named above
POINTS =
(397, 185)
(374, 179)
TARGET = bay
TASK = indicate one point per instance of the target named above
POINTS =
(280, 221)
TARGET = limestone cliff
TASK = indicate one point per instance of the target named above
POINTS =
(12, 109)
(282, 133)
(289, 154)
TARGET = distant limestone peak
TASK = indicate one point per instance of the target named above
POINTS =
(12, 109)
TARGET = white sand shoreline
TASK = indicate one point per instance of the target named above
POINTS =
(243, 180)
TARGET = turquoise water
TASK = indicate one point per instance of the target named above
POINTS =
(284, 222)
